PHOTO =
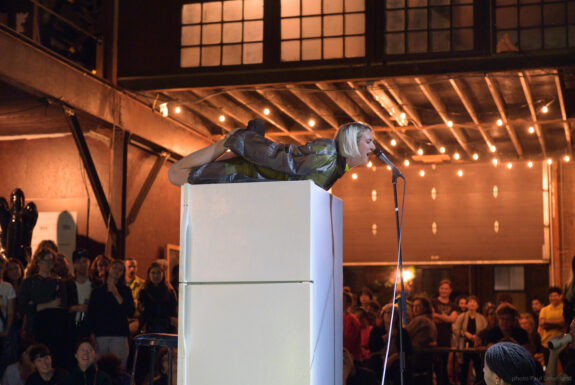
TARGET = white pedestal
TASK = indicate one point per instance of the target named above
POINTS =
(260, 285)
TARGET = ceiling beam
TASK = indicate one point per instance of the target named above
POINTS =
(314, 103)
(501, 108)
(280, 103)
(566, 126)
(411, 112)
(471, 111)
(352, 110)
(529, 98)
(442, 112)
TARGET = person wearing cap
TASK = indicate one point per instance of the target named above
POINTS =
(80, 293)
(323, 161)
(44, 373)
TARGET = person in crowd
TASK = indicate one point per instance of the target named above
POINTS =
(62, 267)
(507, 328)
(527, 323)
(10, 353)
(14, 273)
(551, 321)
(460, 304)
(466, 328)
(504, 298)
(354, 374)
(7, 305)
(536, 305)
(86, 373)
(507, 363)
(158, 303)
(48, 244)
(98, 270)
(32, 268)
(351, 328)
(362, 317)
(44, 373)
(135, 283)
(112, 365)
(80, 292)
(422, 334)
(109, 308)
(323, 161)
(365, 296)
(569, 297)
(18, 372)
(43, 300)
(444, 314)
(163, 367)
(175, 277)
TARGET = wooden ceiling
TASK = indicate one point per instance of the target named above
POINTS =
(421, 118)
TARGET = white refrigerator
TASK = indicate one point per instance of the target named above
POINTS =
(260, 295)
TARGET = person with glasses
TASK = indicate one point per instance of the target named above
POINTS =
(43, 300)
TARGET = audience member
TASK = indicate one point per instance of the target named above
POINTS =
(44, 373)
(354, 375)
(444, 314)
(80, 294)
(362, 317)
(527, 323)
(18, 372)
(466, 328)
(365, 296)
(507, 363)
(163, 368)
(108, 311)
(460, 304)
(569, 297)
(351, 328)
(158, 303)
(98, 270)
(422, 334)
(14, 273)
(62, 267)
(7, 301)
(536, 305)
(507, 329)
(86, 373)
(551, 322)
(504, 298)
(135, 283)
(44, 303)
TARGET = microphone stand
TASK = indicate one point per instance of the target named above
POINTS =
(402, 308)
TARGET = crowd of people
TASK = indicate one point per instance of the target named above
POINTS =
(63, 323)
(445, 339)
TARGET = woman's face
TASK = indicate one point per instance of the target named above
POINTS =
(46, 263)
(156, 276)
(13, 272)
(418, 308)
(101, 267)
(116, 271)
(85, 355)
(489, 377)
(462, 304)
(365, 146)
(472, 304)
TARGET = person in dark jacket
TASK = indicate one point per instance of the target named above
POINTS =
(44, 373)
(108, 311)
(157, 303)
(86, 373)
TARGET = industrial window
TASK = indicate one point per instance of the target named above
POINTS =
(423, 26)
(220, 33)
(536, 24)
(322, 29)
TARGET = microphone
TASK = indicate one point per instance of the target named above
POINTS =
(381, 156)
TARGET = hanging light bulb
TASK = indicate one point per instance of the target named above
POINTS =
(222, 118)
(495, 161)
(530, 164)
(492, 148)
(499, 122)
(531, 129)
(449, 123)
(266, 111)
(311, 123)
(567, 158)
(421, 173)
(442, 150)
(549, 160)
(456, 156)
(393, 142)
(406, 162)
(545, 109)
(420, 152)
(509, 165)
(354, 176)
(475, 156)
(178, 109)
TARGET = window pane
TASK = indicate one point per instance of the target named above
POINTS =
(506, 2)
(355, 46)
(311, 49)
(506, 18)
(439, 2)
(417, 19)
(191, 13)
(253, 53)
(290, 50)
(333, 48)
(394, 21)
(416, 3)
(512, 36)
(394, 43)
(211, 56)
(232, 10)
(440, 41)
(232, 54)
(333, 25)
(253, 9)
(416, 42)
(555, 37)
(333, 6)
(571, 13)
(290, 28)
(290, 8)
(232, 32)
(571, 36)
(440, 17)
(212, 12)
(354, 5)
(463, 16)
(311, 7)
(554, 14)
(390, 4)
(190, 57)
(211, 34)
(191, 35)
(463, 40)
(355, 24)
(253, 31)
(530, 16)
(530, 39)
(311, 26)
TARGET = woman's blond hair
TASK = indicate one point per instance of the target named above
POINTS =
(347, 137)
